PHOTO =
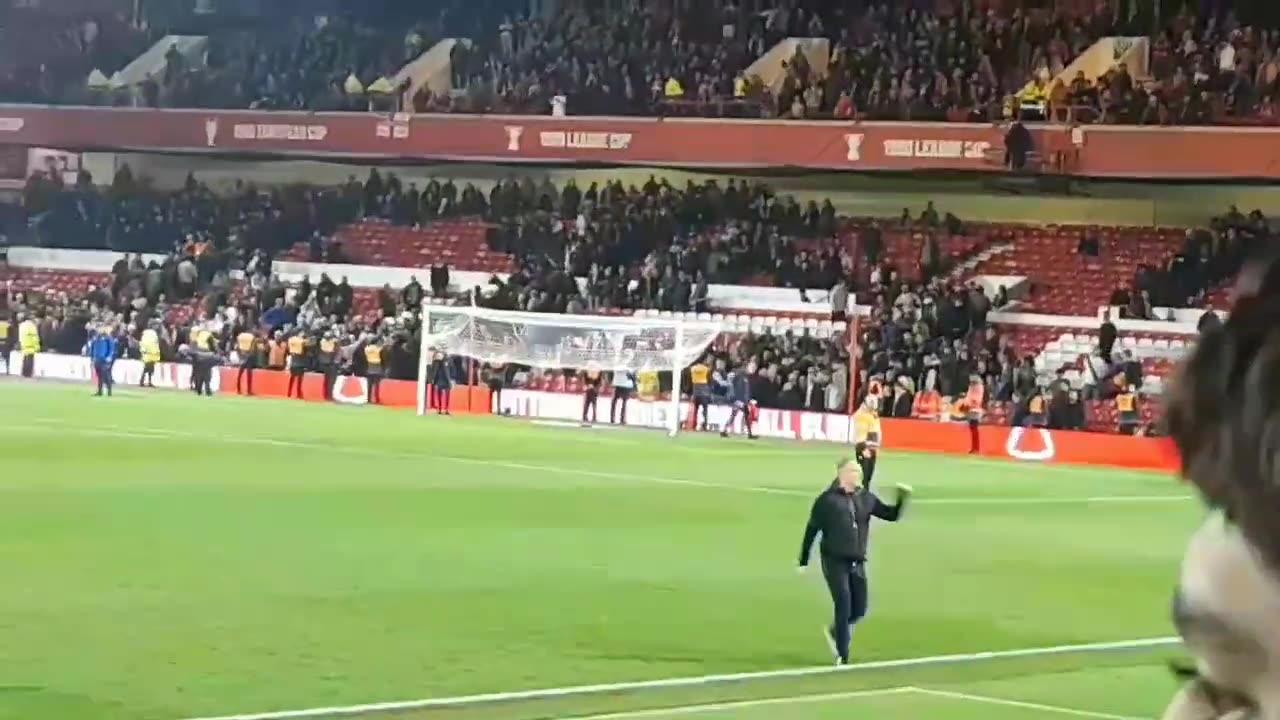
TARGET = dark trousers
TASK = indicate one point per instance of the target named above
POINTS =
(738, 407)
(867, 462)
(373, 397)
(245, 373)
(28, 365)
(700, 405)
(589, 401)
(103, 372)
(442, 399)
(974, 442)
(620, 397)
(148, 375)
(330, 379)
(202, 376)
(295, 381)
(847, 583)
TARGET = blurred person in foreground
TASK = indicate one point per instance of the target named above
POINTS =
(1222, 412)
(842, 515)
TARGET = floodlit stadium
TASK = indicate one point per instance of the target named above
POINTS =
(169, 557)
(639, 360)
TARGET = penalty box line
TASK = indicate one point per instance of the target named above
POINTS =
(679, 710)
(695, 681)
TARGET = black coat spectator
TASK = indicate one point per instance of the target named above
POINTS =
(1018, 143)
(1208, 321)
(1107, 334)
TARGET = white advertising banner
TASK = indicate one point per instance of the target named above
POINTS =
(77, 368)
(779, 424)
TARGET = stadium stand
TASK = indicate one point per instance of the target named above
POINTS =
(1080, 267)
(919, 61)
(43, 52)
(653, 249)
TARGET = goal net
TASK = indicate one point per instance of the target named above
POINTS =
(582, 342)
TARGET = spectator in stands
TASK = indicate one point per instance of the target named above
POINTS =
(1072, 416)
(903, 397)
(1018, 144)
(1097, 375)
(840, 301)
(1125, 373)
(1088, 246)
(1208, 322)
(1107, 335)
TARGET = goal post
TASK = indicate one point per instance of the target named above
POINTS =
(605, 343)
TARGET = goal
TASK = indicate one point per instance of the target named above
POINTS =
(605, 343)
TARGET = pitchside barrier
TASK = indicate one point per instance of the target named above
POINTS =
(1009, 443)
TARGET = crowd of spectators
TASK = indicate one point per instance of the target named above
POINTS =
(1203, 70)
(653, 246)
(1208, 257)
(659, 246)
(895, 61)
(43, 53)
(642, 59)
(916, 60)
(605, 247)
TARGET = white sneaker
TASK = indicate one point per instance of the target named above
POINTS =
(831, 644)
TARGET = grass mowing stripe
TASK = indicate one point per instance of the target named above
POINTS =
(145, 433)
(585, 690)
(1024, 705)
(738, 705)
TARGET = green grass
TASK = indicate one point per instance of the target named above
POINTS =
(168, 557)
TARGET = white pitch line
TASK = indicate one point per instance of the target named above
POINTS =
(1024, 705)
(145, 433)
(1054, 500)
(696, 681)
(717, 707)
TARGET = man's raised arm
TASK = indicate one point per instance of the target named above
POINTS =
(888, 512)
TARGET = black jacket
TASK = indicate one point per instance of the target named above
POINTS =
(844, 519)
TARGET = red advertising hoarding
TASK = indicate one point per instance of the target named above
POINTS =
(1005, 443)
(1090, 151)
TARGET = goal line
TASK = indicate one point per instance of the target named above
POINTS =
(694, 681)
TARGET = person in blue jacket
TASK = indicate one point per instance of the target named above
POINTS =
(102, 353)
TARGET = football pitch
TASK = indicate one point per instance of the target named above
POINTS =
(167, 557)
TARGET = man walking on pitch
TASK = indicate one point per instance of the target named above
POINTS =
(842, 513)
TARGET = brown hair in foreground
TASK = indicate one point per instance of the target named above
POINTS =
(1223, 410)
